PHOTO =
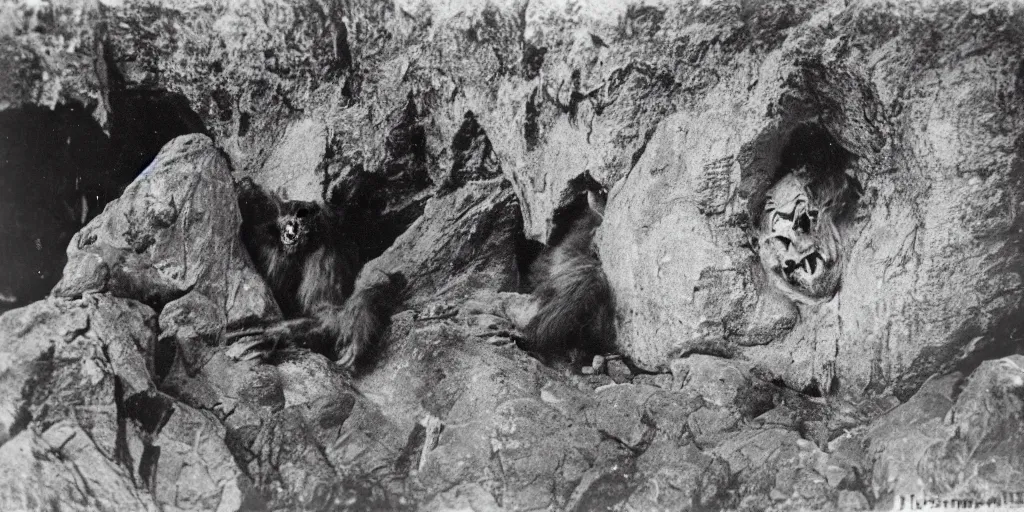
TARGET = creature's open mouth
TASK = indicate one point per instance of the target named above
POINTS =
(290, 234)
(804, 270)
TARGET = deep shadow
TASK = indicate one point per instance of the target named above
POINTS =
(527, 251)
(370, 220)
(811, 146)
(379, 204)
(473, 158)
(52, 168)
(142, 121)
(58, 170)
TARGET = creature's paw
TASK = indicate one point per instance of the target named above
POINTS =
(348, 355)
(437, 312)
(250, 344)
(520, 310)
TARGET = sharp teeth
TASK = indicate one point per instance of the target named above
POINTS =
(807, 266)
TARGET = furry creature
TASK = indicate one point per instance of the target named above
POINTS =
(300, 248)
(575, 306)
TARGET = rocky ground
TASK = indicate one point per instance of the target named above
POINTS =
(474, 123)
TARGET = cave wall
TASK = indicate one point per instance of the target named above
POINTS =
(467, 127)
(683, 110)
(73, 135)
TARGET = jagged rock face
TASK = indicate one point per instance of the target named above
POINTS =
(89, 424)
(464, 243)
(713, 124)
(675, 240)
(965, 443)
(141, 246)
(913, 286)
(692, 112)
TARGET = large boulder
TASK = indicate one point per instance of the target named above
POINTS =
(933, 255)
(954, 439)
(813, 209)
(173, 231)
(464, 243)
(83, 422)
(488, 425)
(164, 402)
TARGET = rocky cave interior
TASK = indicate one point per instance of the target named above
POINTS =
(461, 139)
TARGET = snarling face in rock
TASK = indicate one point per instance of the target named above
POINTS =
(798, 242)
(297, 225)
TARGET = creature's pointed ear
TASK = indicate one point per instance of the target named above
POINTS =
(255, 203)
(597, 194)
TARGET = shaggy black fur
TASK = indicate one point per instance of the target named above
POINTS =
(302, 250)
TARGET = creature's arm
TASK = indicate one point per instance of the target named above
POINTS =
(261, 341)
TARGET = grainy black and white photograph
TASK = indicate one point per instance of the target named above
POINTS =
(511, 255)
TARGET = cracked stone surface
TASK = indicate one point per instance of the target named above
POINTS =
(474, 118)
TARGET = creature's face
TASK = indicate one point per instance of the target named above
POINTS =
(296, 225)
(798, 242)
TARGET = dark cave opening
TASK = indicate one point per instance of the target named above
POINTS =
(809, 146)
(52, 169)
(473, 157)
(380, 204)
(527, 252)
(58, 169)
(802, 205)
(363, 199)
(142, 121)
(812, 389)
(801, 212)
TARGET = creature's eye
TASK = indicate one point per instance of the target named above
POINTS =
(785, 241)
(302, 213)
(802, 223)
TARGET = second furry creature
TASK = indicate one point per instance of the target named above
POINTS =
(301, 249)
(575, 306)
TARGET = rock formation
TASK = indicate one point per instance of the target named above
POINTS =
(813, 234)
